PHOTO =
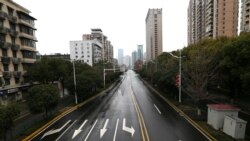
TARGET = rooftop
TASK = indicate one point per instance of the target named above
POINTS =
(226, 107)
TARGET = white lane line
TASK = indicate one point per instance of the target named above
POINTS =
(157, 109)
(91, 130)
(66, 130)
(117, 122)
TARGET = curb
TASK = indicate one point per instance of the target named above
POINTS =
(192, 122)
(64, 113)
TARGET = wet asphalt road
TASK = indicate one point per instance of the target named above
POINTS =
(129, 113)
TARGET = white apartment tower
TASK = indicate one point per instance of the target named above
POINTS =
(153, 33)
(87, 51)
(120, 56)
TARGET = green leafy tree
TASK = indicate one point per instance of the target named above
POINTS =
(235, 66)
(7, 115)
(42, 98)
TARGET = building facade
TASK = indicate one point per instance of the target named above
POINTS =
(245, 13)
(17, 47)
(212, 19)
(87, 51)
(140, 52)
(107, 47)
(153, 33)
(133, 59)
(127, 61)
(120, 56)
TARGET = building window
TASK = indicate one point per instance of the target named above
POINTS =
(10, 11)
(15, 67)
(6, 67)
(14, 54)
(13, 40)
(76, 44)
(26, 29)
(2, 38)
(17, 80)
(29, 54)
(1, 23)
(155, 15)
(76, 52)
(76, 56)
(28, 42)
(4, 52)
(88, 56)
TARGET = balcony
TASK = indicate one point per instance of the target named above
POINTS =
(12, 18)
(16, 60)
(3, 15)
(17, 74)
(13, 32)
(3, 30)
(6, 74)
(27, 23)
(5, 60)
(23, 47)
(5, 45)
(15, 47)
(28, 36)
(28, 60)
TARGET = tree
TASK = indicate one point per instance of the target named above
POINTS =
(48, 70)
(7, 115)
(42, 98)
(200, 67)
(235, 66)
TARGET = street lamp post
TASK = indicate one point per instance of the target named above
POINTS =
(75, 82)
(180, 57)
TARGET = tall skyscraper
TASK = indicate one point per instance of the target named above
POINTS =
(245, 13)
(153, 33)
(134, 58)
(127, 61)
(120, 57)
(212, 19)
(140, 52)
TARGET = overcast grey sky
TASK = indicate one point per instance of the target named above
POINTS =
(122, 21)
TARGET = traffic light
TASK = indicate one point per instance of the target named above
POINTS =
(177, 80)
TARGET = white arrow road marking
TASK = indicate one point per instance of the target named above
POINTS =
(55, 131)
(79, 129)
(157, 109)
(91, 130)
(117, 122)
(104, 129)
(124, 128)
(119, 92)
(66, 130)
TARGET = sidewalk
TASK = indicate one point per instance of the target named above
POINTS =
(26, 121)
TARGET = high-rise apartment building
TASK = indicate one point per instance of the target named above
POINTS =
(140, 52)
(17, 48)
(120, 56)
(153, 33)
(107, 47)
(245, 13)
(212, 19)
(87, 51)
(133, 58)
